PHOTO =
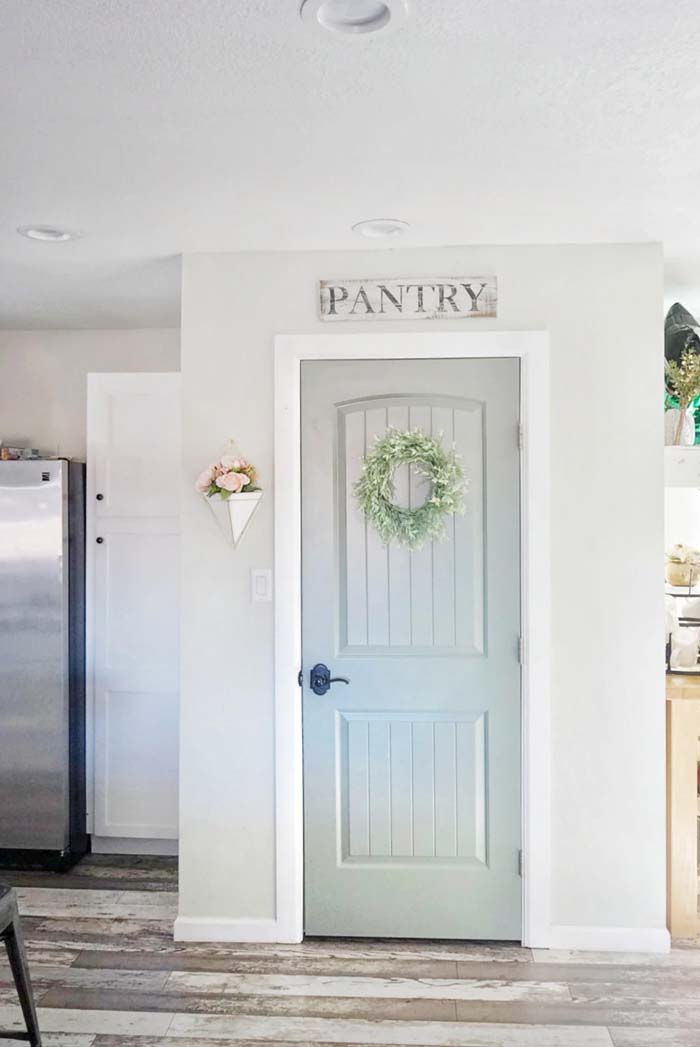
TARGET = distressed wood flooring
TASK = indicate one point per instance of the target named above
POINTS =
(107, 973)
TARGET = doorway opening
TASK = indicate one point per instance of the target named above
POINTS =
(530, 350)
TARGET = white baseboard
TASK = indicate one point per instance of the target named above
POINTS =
(610, 939)
(121, 845)
(210, 929)
(584, 939)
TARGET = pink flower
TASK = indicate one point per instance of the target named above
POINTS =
(233, 482)
(229, 461)
(206, 478)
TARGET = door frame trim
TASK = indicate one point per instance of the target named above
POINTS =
(532, 348)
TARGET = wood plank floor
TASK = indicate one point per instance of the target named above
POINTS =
(107, 973)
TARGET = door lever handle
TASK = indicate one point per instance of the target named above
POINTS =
(320, 678)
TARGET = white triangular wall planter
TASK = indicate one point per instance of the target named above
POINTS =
(235, 513)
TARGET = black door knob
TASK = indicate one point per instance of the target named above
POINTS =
(320, 678)
(99, 497)
(99, 541)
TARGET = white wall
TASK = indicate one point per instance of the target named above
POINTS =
(43, 387)
(682, 517)
(603, 307)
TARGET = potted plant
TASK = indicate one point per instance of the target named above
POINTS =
(682, 565)
(230, 487)
(682, 384)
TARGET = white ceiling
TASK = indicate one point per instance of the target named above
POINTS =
(165, 126)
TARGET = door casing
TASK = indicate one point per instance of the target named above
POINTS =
(532, 348)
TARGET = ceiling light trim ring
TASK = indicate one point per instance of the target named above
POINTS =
(353, 19)
(48, 234)
(380, 228)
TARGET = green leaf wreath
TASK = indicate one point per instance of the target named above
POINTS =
(375, 488)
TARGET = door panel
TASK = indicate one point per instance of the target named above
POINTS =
(136, 421)
(412, 787)
(137, 732)
(140, 589)
(392, 597)
(412, 771)
(134, 447)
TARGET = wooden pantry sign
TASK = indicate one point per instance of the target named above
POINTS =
(431, 298)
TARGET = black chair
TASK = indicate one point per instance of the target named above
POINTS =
(11, 934)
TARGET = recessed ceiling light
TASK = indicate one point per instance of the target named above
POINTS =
(380, 228)
(353, 17)
(49, 233)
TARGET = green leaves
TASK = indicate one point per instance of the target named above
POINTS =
(375, 488)
(683, 377)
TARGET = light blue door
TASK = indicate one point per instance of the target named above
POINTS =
(412, 769)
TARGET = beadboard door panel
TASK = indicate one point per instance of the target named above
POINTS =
(394, 598)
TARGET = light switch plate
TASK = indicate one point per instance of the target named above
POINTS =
(261, 585)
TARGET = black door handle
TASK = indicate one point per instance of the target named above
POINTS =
(320, 678)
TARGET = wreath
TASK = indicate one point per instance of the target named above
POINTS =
(375, 488)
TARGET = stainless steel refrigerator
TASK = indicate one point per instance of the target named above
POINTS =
(42, 664)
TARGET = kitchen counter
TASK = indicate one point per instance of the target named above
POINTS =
(682, 686)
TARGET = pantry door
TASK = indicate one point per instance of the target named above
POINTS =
(412, 768)
(133, 526)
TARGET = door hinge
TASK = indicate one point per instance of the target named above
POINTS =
(521, 436)
(521, 650)
(520, 863)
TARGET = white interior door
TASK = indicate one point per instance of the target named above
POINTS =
(133, 525)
